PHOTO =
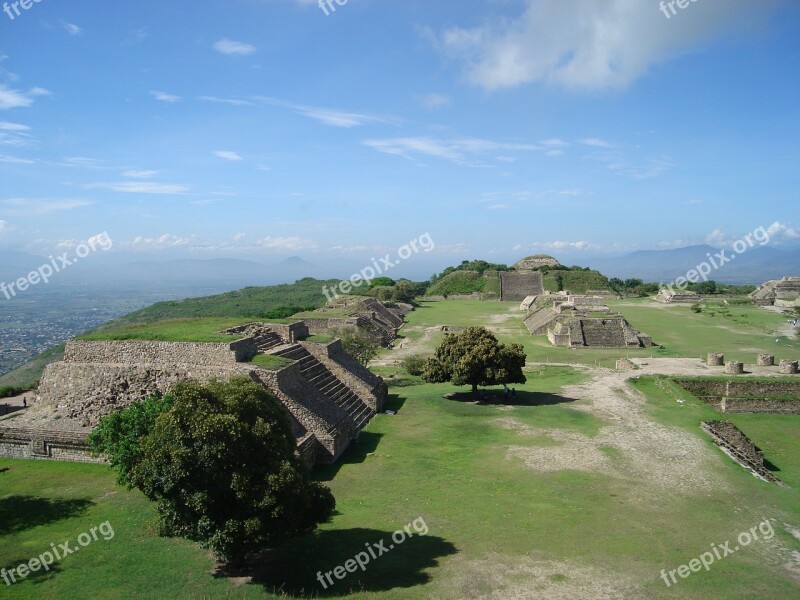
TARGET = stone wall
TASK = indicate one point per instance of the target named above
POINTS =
(515, 287)
(89, 391)
(43, 444)
(746, 396)
(169, 353)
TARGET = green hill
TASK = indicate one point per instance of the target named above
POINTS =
(458, 282)
(251, 301)
(577, 282)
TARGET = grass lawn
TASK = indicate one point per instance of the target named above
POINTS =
(489, 517)
(174, 330)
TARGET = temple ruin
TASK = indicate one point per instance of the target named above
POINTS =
(573, 321)
(778, 292)
(326, 394)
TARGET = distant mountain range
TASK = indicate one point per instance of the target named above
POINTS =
(753, 266)
(220, 273)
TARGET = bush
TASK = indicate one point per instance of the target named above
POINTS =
(414, 365)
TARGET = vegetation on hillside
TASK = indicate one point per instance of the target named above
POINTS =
(250, 301)
(458, 282)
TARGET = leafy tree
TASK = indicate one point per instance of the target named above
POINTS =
(414, 364)
(119, 435)
(361, 344)
(382, 281)
(221, 465)
(475, 357)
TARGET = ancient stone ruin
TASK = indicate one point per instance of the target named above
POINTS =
(368, 314)
(746, 395)
(326, 394)
(531, 263)
(737, 445)
(668, 296)
(573, 321)
(779, 292)
(515, 286)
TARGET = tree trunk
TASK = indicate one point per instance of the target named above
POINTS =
(475, 390)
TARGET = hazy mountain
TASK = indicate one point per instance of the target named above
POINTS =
(755, 265)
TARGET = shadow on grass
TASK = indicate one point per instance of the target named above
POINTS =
(18, 513)
(394, 402)
(4, 470)
(356, 453)
(771, 467)
(291, 570)
(522, 399)
(34, 577)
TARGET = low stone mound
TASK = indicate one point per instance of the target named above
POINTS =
(739, 447)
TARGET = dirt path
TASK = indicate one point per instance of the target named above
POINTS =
(632, 447)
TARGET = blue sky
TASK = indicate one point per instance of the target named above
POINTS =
(265, 129)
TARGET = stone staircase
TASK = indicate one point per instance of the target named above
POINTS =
(327, 383)
(603, 333)
(267, 340)
(518, 286)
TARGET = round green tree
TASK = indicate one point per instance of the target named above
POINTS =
(220, 463)
(475, 357)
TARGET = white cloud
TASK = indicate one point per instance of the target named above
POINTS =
(233, 48)
(326, 116)
(4, 225)
(10, 98)
(141, 187)
(434, 100)
(162, 242)
(782, 231)
(165, 97)
(6, 126)
(285, 243)
(70, 28)
(562, 245)
(227, 155)
(231, 101)
(27, 207)
(589, 44)
(555, 143)
(596, 143)
(453, 150)
(140, 174)
(13, 160)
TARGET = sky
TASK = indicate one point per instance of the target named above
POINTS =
(263, 129)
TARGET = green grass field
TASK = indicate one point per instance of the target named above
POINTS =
(747, 331)
(496, 526)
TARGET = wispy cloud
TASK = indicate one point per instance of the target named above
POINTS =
(596, 142)
(231, 101)
(139, 174)
(70, 28)
(227, 155)
(165, 97)
(13, 160)
(434, 100)
(10, 98)
(141, 187)
(136, 37)
(456, 151)
(233, 48)
(27, 206)
(6, 126)
(326, 116)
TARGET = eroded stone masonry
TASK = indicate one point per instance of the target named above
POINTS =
(327, 395)
(573, 321)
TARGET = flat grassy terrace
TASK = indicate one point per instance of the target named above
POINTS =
(741, 333)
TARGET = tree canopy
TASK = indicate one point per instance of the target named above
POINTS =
(475, 357)
(220, 463)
